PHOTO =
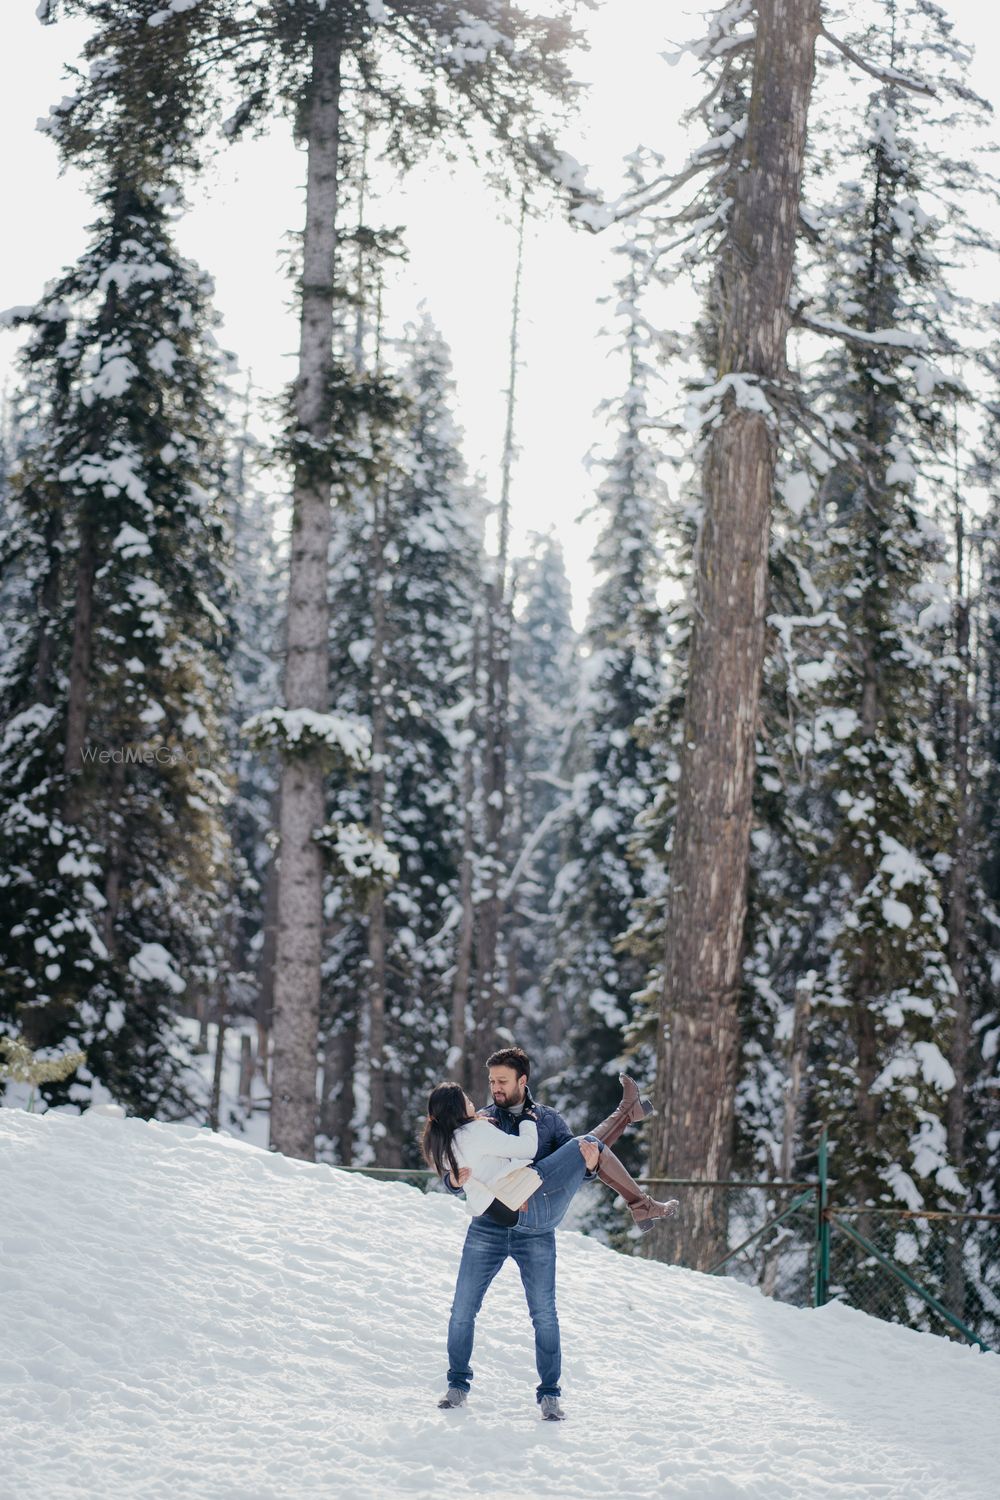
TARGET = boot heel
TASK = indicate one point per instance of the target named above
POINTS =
(647, 1106)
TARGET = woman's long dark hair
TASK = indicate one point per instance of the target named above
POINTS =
(446, 1111)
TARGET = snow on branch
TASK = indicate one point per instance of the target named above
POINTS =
(552, 818)
(879, 338)
(364, 858)
(302, 730)
(746, 391)
(173, 8)
(885, 75)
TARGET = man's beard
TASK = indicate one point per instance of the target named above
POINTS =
(509, 1100)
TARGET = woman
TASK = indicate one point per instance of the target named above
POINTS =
(505, 1179)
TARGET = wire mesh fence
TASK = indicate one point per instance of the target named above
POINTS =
(926, 1271)
(938, 1273)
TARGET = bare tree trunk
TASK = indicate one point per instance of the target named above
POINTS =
(245, 1090)
(300, 873)
(376, 901)
(222, 1021)
(958, 914)
(268, 952)
(487, 1010)
(48, 604)
(499, 609)
(797, 1048)
(339, 1064)
(223, 998)
(865, 1185)
(697, 1047)
(113, 874)
(458, 1061)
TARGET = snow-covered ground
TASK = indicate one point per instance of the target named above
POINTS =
(189, 1317)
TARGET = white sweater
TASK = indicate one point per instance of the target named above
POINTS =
(492, 1155)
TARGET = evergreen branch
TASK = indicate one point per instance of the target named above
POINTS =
(552, 817)
(889, 338)
(884, 75)
(623, 209)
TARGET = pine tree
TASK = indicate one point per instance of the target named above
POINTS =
(545, 671)
(407, 627)
(981, 1241)
(482, 60)
(258, 568)
(114, 851)
(759, 62)
(857, 884)
(607, 873)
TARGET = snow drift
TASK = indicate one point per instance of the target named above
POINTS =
(188, 1316)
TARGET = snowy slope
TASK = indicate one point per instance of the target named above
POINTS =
(184, 1315)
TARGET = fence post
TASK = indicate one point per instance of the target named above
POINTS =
(822, 1230)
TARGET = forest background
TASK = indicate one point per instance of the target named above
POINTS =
(507, 685)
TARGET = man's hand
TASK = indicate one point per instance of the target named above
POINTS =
(463, 1176)
(591, 1153)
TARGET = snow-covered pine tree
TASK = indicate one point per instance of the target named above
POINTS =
(858, 787)
(982, 1093)
(605, 873)
(544, 680)
(427, 72)
(259, 566)
(114, 852)
(405, 568)
(759, 62)
(886, 981)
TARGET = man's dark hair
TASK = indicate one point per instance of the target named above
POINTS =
(511, 1057)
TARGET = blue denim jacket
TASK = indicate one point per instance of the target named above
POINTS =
(553, 1131)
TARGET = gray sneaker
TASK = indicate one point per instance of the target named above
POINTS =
(453, 1396)
(551, 1410)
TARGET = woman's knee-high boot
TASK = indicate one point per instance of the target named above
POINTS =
(644, 1209)
(634, 1107)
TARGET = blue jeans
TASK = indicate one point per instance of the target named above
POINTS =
(487, 1246)
(532, 1245)
(561, 1174)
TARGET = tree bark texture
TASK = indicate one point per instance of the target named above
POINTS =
(491, 908)
(459, 1062)
(377, 1122)
(697, 1045)
(306, 685)
(958, 928)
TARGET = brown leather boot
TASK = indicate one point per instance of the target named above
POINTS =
(644, 1209)
(634, 1107)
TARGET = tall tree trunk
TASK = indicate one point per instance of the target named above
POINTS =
(697, 1046)
(958, 914)
(268, 953)
(487, 1008)
(339, 1063)
(115, 794)
(376, 901)
(48, 605)
(865, 1183)
(307, 666)
(798, 1046)
(458, 1063)
(499, 620)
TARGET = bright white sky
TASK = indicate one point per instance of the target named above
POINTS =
(461, 251)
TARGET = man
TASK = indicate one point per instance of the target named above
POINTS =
(489, 1243)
